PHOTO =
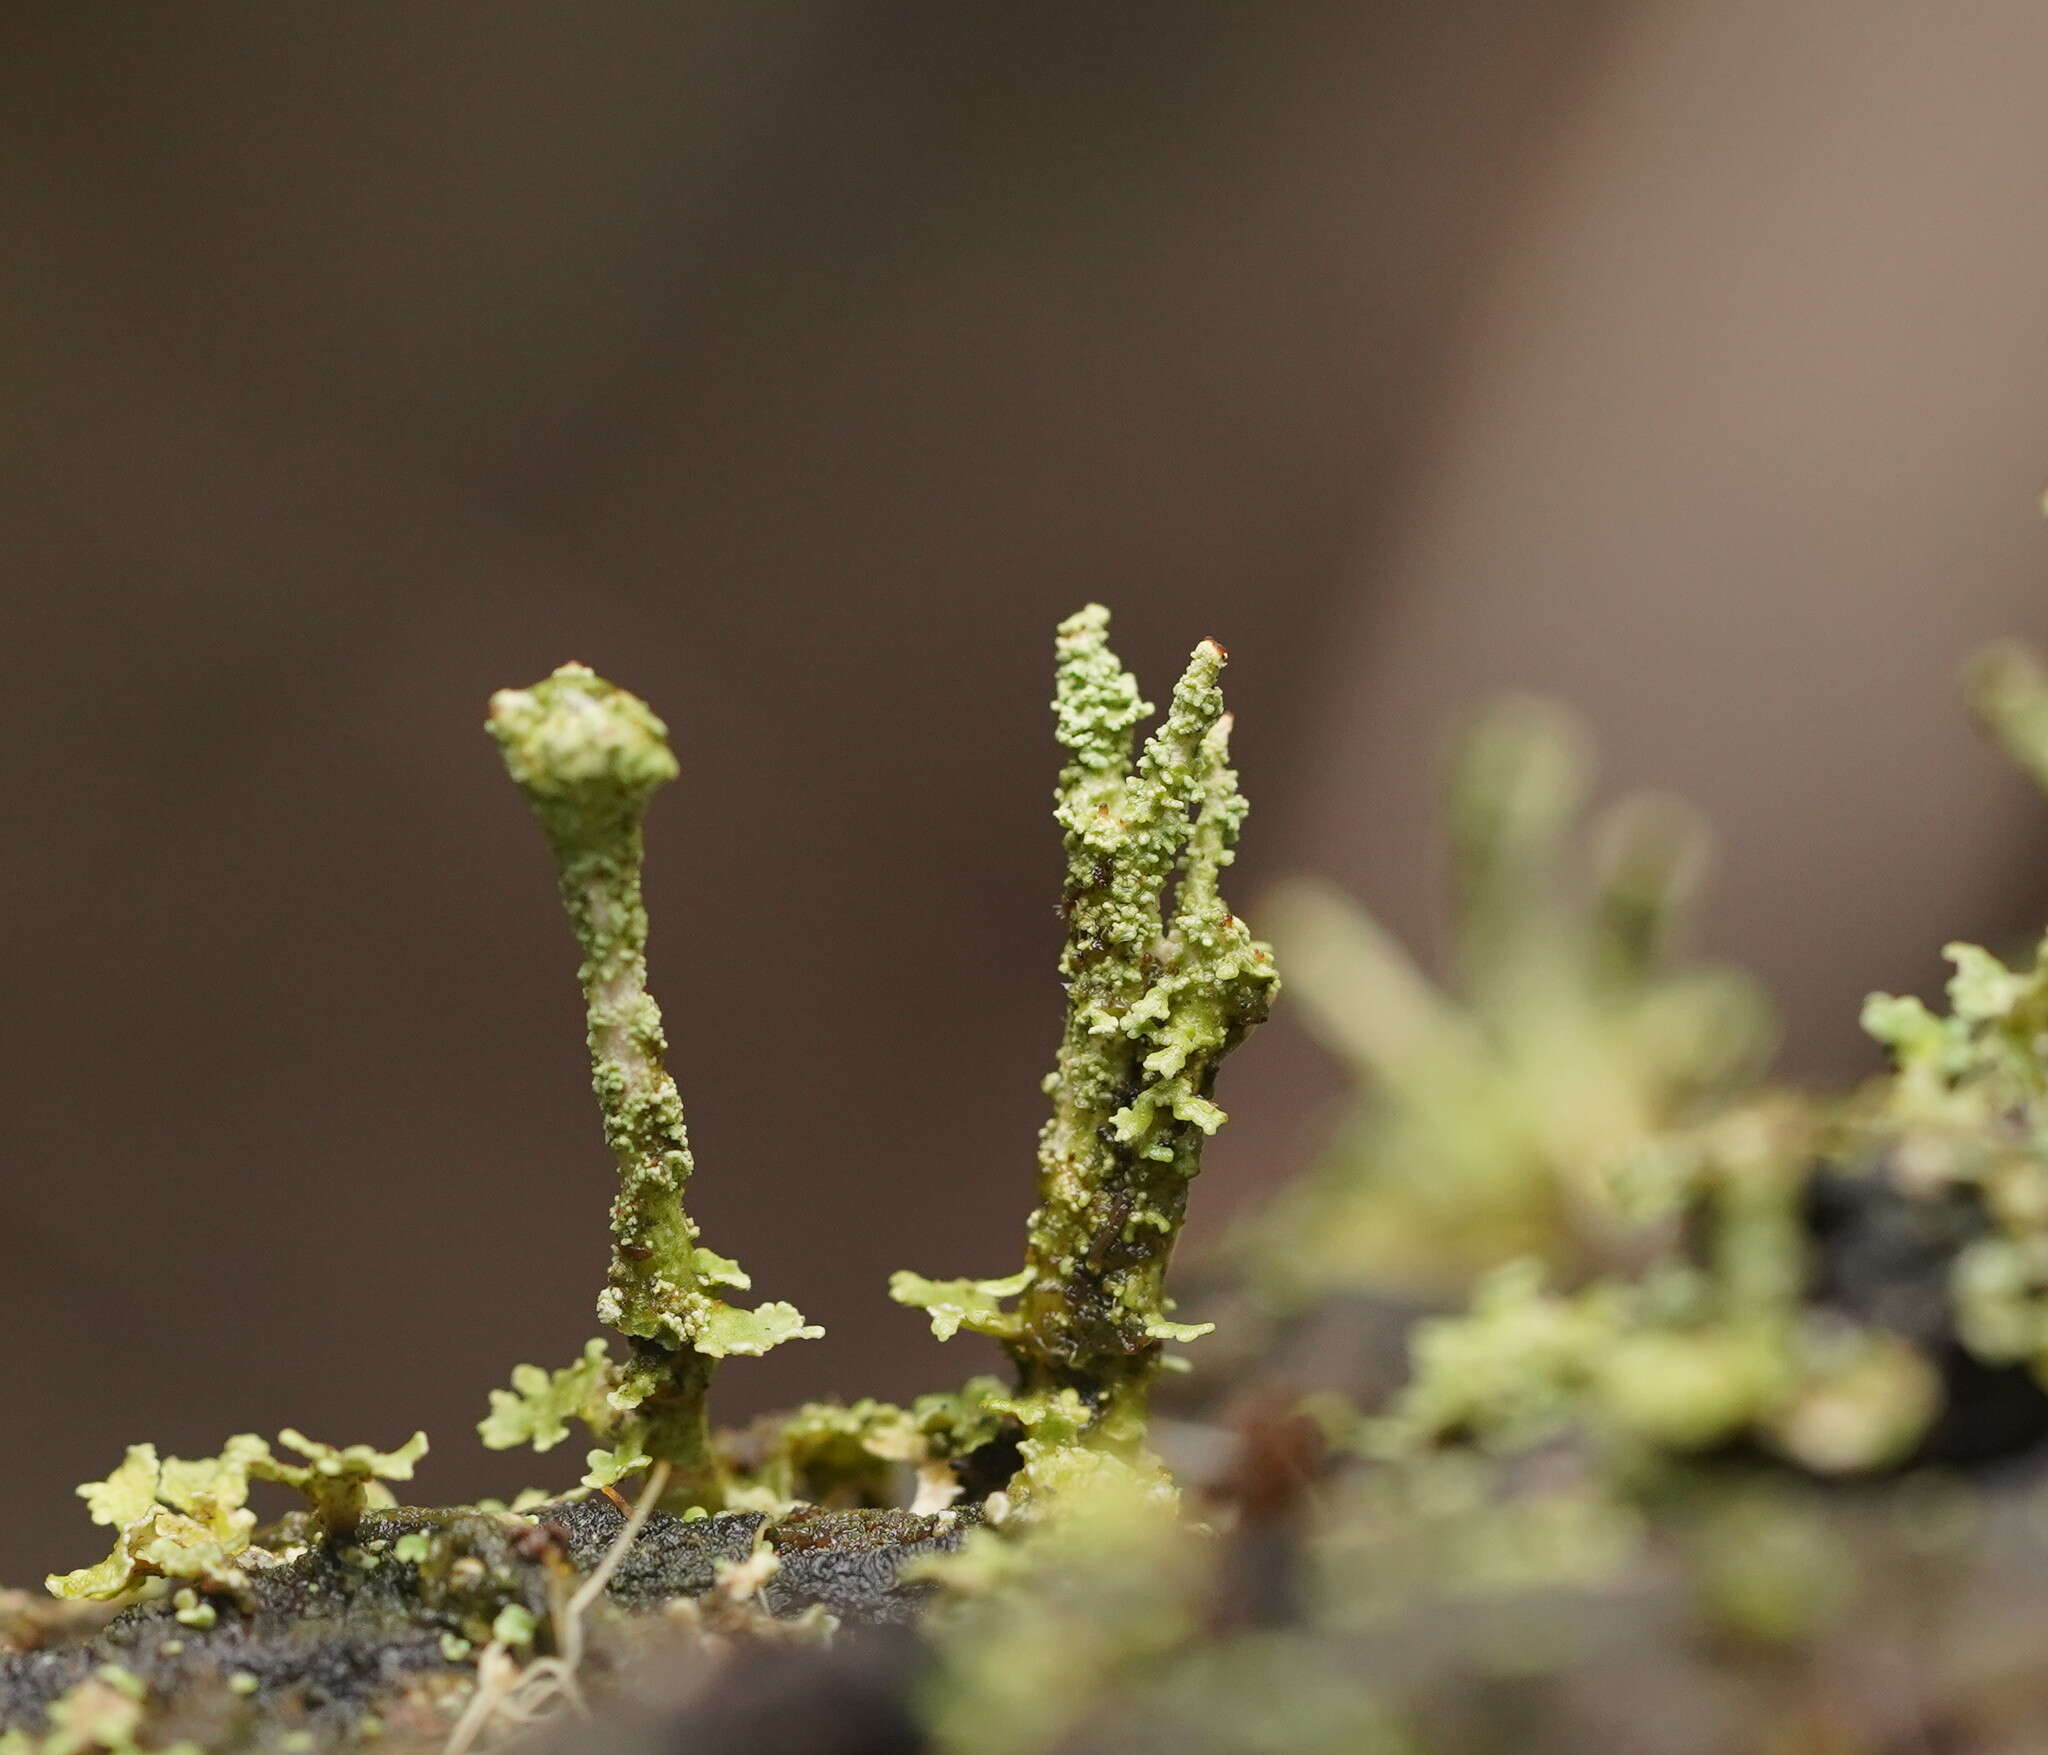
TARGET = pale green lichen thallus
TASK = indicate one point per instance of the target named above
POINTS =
(1162, 981)
(589, 756)
(190, 1520)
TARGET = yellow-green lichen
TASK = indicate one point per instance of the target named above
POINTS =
(1668, 1364)
(190, 1520)
(1966, 1106)
(871, 1453)
(340, 1483)
(1162, 981)
(1531, 1102)
(588, 757)
(103, 1715)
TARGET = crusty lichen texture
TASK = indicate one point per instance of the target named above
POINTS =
(1162, 980)
(589, 756)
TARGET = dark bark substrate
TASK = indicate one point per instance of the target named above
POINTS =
(348, 1630)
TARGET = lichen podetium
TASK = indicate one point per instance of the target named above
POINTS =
(589, 757)
(1162, 982)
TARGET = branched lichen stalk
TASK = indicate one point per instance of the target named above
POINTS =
(1131, 1100)
(1162, 982)
(588, 756)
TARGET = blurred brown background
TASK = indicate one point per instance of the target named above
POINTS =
(800, 365)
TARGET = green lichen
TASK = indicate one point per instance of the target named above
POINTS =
(538, 1407)
(514, 1624)
(979, 1305)
(1966, 1106)
(1957, 1075)
(1162, 982)
(339, 1483)
(2008, 691)
(1668, 1364)
(190, 1520)
(1528, 1103)
(1035, 1634)
(588, 757)
(858, 1453)
(192, 1612)
(1637, 1293)
(1967, 1109)
(171, 1520)
(103, 1715)
(838, 1454)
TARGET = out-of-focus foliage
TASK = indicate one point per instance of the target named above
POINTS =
(1525, 1105)
(102, 1715)
(1967, 1117)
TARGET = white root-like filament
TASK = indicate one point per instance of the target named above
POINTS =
(508, 1694)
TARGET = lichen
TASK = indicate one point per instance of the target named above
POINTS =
(1686, 1371)
(1636, 1379)
(102, 1715)
(2008, 690)
(339, 1483)
(190, 1520)
(1967, 1109)
(538, 1407)
(1528, 1103)
(1162, 981)
(588, 757)
(1034, 1634)
(1668, 1364)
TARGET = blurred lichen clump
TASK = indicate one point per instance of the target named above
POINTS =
(1965, 1119)
(1593, 1217)
(1520, 1106)
(1574, 1138)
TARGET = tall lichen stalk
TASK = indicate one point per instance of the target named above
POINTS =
(1162, 982)
(1154, 1003)
(589, 756)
